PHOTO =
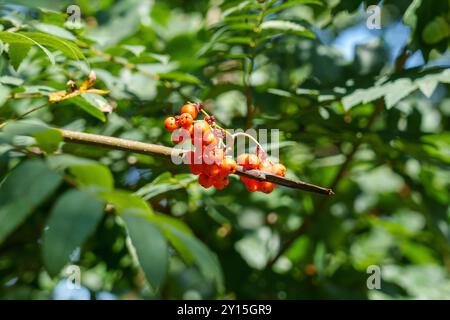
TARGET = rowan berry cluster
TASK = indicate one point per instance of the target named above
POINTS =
(209, 160)
(251, 161)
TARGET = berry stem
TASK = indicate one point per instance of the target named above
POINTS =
(215, 124)
(254, 140)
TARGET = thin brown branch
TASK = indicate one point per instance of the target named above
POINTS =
(159, 150)
(263, 176)
(115, 143)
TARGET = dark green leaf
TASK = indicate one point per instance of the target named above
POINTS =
(150, 248)
(24, 189)
(48, 140)
(92, 175)
(72, 220)
(90, 103)
(17, 52)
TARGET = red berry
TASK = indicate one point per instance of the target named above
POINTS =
(191, 109)
(171, 124)
(185, 120)
(205, 181)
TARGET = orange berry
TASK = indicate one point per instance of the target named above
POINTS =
(221, 182)
(171, 123)
(266, 187)
(205, 181)
(193, 157)
(196, 168)
(209, 138)
(191, 109)
(212, 170)
(213, 155)
(228, 166)
(252, 185)
(248, 161)
(279, 170)
(201, 127)
(253, 162)
(179, 136)
(185, 120)
(191, 130)
(266, 167)
(242, 159)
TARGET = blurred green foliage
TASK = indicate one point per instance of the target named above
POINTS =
(372, 127)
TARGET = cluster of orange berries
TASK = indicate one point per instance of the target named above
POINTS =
(251, 161)
(212, 168)
(211, 164)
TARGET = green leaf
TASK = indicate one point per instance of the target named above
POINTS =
(61, 162)
(17, 52)
(436, 31)
(25, 188)
(286, 26)
(150, 248)
(14, 81)
(93, 175)
(393, 90)
(72, 220)
(48, 140)
(67, 47)
(292, 3)
(136, 50)
(123, 200)
(55, 30)
(239, 40)
(192, 250)
(4, 94)
(165, 183)
(398, 90)
(22, 39)
(43, 40)
(89, 104)
(410, 16)
(251, 17)
(23, 130)
(427, 86)
(240, 6)
(180, 77)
